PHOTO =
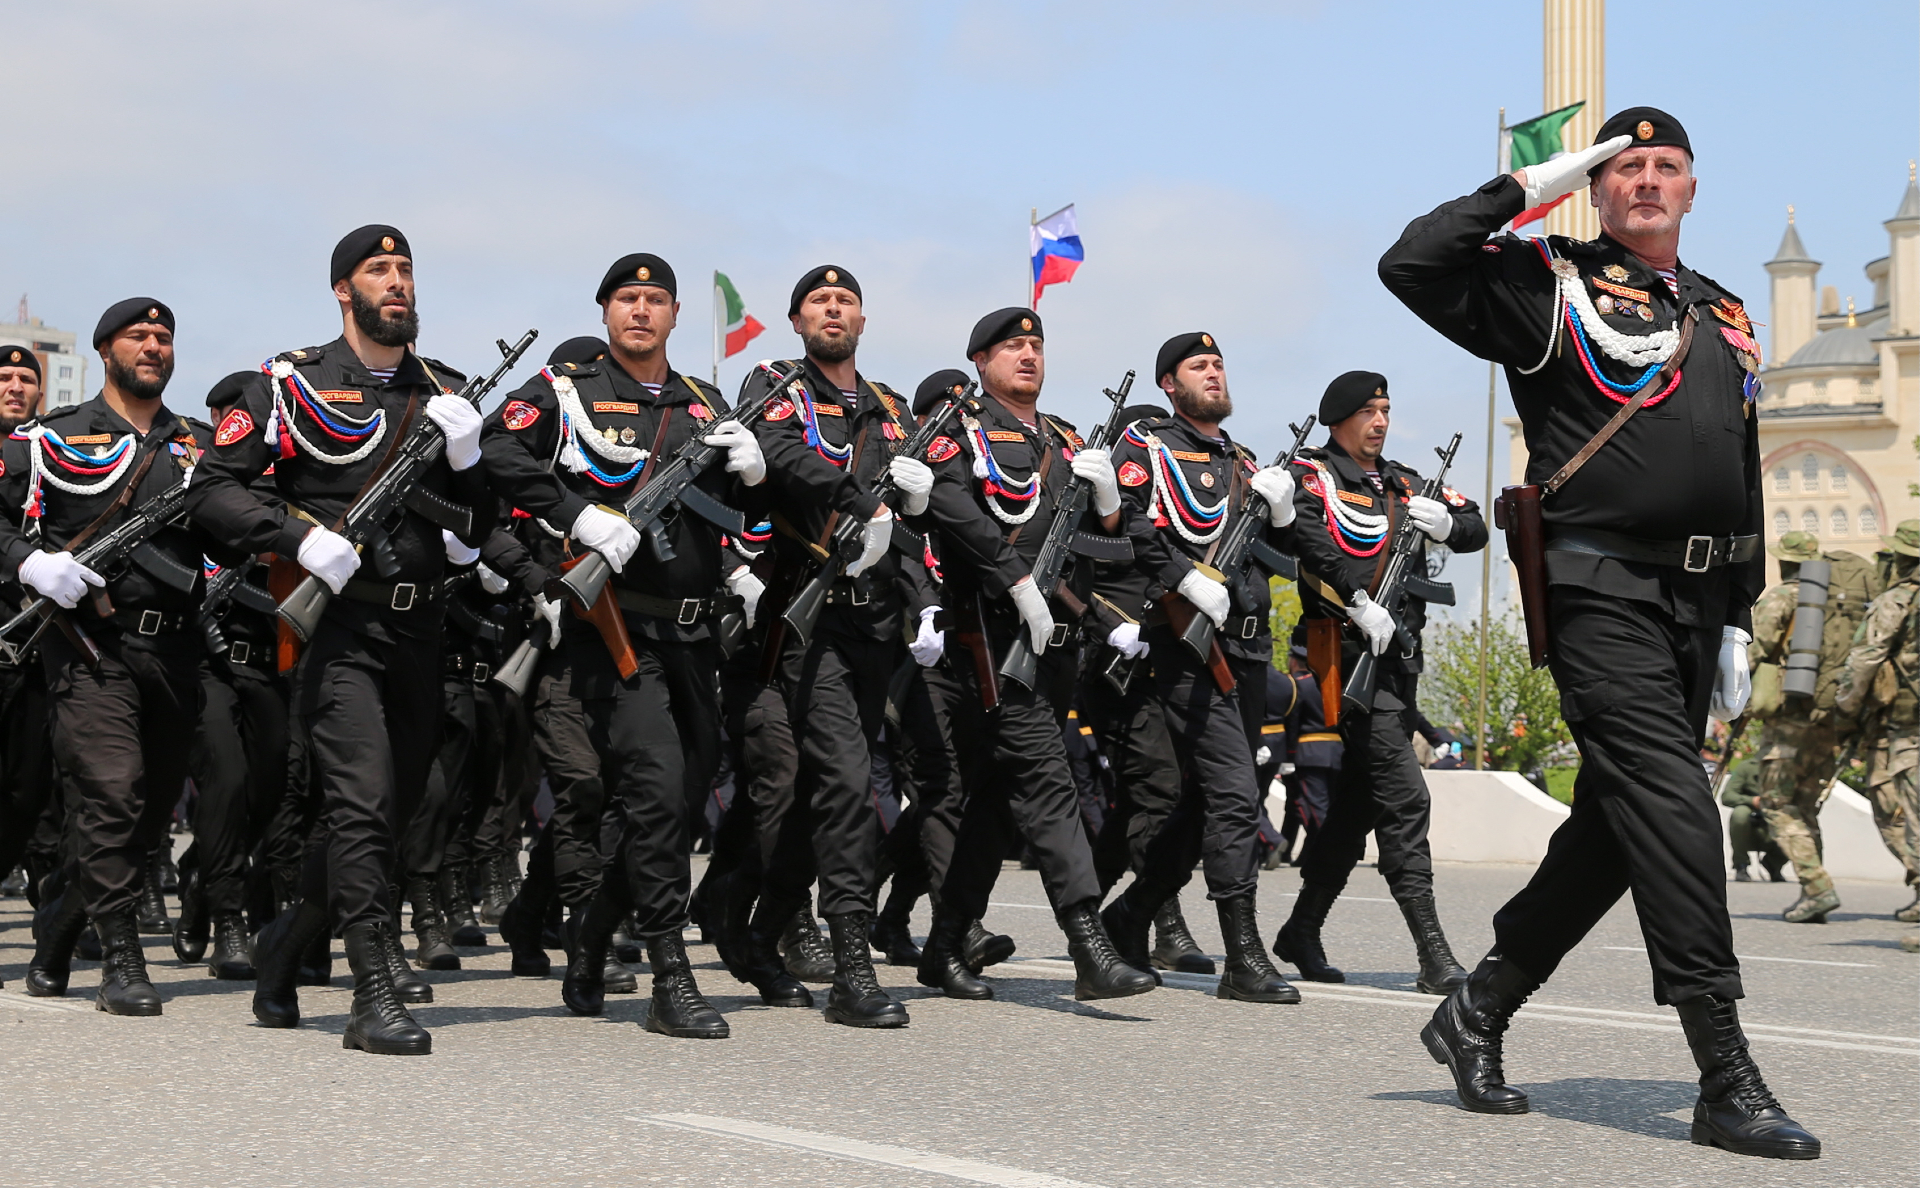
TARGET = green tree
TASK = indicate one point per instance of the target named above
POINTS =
(1524, 727)
(1285, 613)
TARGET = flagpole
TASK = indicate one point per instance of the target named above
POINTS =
(713, 296)
(1486, 508)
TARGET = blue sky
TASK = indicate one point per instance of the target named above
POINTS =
(1238, 167)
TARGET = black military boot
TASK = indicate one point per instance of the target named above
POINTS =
(626, 950)
(1298, 943)
(1174, 947)
(279, 951)
(1466, 1032)
(893, 931)
(1250, 977)
(151, 907)
(88, 948)
(677, 1009)
(804, 950)
(1439, 972)
(1098, 970)
(316, 960)
(169, 873)
(729, 918)
(230, 962)
(521, 927)
(856, 999)
(409, 986)
(463, 928)
(124, 988)
(435, 949)
(985, 948)
(765, 971)
(495, 893)
(15, 884)
(1736, 1112)
(1129, 928)
(589, 935)
(379, 1022)
(943, 962)
(57, 925)
(191, 930)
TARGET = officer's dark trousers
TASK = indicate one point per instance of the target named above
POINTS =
(1132, 733)
(478, 791)
(26, 759)
(567, 858)
(766, 764)
(1014, 766)
(1380, 791)
(926, 709)
(239, 765)
(507, 787)
(443, 802)
(1634, 687)
(121, 732)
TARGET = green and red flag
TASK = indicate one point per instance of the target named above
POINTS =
(740, 327)
(1534, 142)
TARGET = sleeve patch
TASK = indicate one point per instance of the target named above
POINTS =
(234, 426)
(1132, 474)
(779, 410)
(942, 449)
(518, 414)
(1453, 497)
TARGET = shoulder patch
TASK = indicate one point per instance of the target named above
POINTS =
(778, 410)
(831, 409)
(1355, 498)
(1193, 455)
(518, 414)
(88, 439)
(234, 426)
(942, 449)
(1005, 435)
(340, 396)
(1453, 497)
(1132, 474)
(616, 406)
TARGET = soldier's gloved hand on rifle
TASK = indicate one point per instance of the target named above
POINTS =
(879, 530)
(742, 584)
(1373, 621)
(59, 577)
(1032, 605)
(743, 451)
(1263, 756)
(458, 551)
(1208, 596)
(548, 610)
(1563, 175)
(606, 534)
(1733, 683)
(460, 421)
(1275, 485)
(930, 642)
(490, 581)
(1126, 638)
(1096, 467)
(1432, 517)
(328, 556)
(915, 480)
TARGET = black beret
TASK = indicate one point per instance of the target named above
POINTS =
(231, 388)
(1649, 126)
(1181, 347)
(582, 349)
(941, 385)
(640, 268)
(1142, 412)
(824, 277)
(15, 355)
(1348, 394)
(1001, 325)
(374, 239)
(132, 311)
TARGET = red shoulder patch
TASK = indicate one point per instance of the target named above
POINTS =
(1311, 483)
(518, 414)
(942, 449)
(234, 426)
(1132, 474)
(779, 410)
(1453, 497)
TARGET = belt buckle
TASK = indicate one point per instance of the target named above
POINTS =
(859, 598)
(1701, 546)
(1059, 637)
(240, 651)
(480, 672)
(1250, 627)
(150, 622)
(395, 603)
(689, 612)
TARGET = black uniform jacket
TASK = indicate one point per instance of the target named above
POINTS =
(1294, 699)
(93, 429)
(226, 504)
(529, 466)
(1684, 466)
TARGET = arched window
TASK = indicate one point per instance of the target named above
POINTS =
(1810, 521)
(1839, 521)
(1782, 522)
(1810, 473)
(1839, 478)
(1869, 522)
(1783, 480)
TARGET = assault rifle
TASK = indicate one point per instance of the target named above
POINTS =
(396, 490)
(1392, 591)
(228, 585)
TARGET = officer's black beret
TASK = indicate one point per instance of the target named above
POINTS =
(941, 385)
(1650, 128)
(583, 349)
(1181, 347)
(374, 239)
(640, 268)
(1348, 394)
(827, 276)
(13, 355)
(1001, 325)
(132, 311)
(231, 388)
(1142, 412)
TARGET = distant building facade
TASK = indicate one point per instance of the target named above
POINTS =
(63, 372)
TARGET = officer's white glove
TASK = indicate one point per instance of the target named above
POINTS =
(742, 584)
(327, 556)
(457, 550)
(743, 451)
(490, 581)
(1034, 612)
(879, 531)
(549, 610)
(60, 577)
(1275, 486)
(1732, 684)
(915, 480)
(1432, 516)
(1207, 596)
(1263, 756)
(1096, 466)
(1287, 769)
(1126, 637)
(460, 421)
(1563, 175)
(1373, 620)
(930, 642)
(609, 535)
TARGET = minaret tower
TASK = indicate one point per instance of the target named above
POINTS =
(1576, 69)
(1791, 307)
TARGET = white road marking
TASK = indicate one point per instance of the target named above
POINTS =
(40, 1004)
(1038, 907)
(1750, 957)
(971, 1170)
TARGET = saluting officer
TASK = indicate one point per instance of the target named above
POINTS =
(1652, 567)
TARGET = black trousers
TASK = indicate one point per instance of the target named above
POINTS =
(1634, 687)
(1131, 730)
(443, 801)
(480, 794)
(26, 759)
(239, 766)
(1380, 791)
(567, 859)
(121, 733)
(927, 707)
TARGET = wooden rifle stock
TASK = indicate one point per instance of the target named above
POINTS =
(970, 625)
(1180, 616)
(606, 618)
(1323, 657)
(1517, 511)
(773, 612)
(283, 574)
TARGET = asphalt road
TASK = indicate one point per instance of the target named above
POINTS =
(1032, 1089)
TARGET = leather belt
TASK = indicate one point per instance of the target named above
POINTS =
(848, 594)
(151, 622)
(249, 654)
(1243, 627)
(1696, 554)
(683, 611)
(400, 596)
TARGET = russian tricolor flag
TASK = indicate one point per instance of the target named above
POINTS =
(1055, 241)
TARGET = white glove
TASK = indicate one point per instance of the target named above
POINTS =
(1733, 684)
(743, 451)
(1287, 769)
(1126, 637)
(1275, 485)
(546, 608)
(490, 581)
(1432, 516)
(879, 531)
(1096, 466)
(928, 645)
(460, 421)
(1563, 175)
(606, 534)
(327, 556)
(915, 480)
(742, 584)
(60, 577)
(1208, 596)
(1373, 620)
(457, 550)
(1032, 606)
(1263, 756)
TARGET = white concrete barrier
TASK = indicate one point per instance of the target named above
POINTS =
(1850, 844)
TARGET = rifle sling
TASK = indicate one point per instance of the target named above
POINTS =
(386, 461)
(120, 501)
(1669, 371)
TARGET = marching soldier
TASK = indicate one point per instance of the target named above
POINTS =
(26, 761)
